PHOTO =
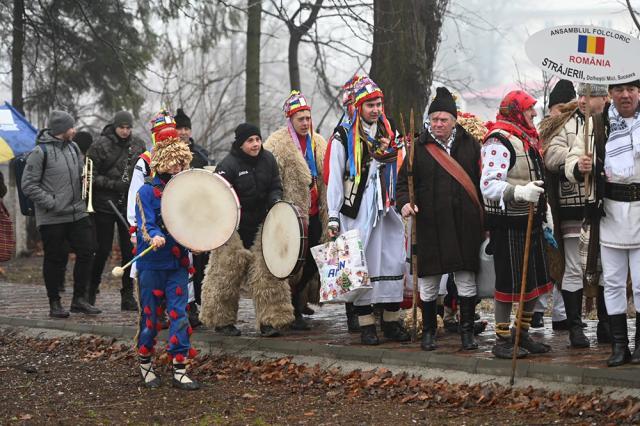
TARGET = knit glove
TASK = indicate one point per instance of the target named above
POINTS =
(530, 192)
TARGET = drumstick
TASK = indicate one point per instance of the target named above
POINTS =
(118, 271)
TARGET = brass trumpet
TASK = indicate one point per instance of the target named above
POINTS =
(87, 183)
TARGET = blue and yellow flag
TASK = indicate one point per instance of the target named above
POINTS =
(17, 135)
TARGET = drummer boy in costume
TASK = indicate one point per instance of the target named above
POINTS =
(299, 152)
(253, 173)
(512, 179)
(164, 272)
(449, 214)
(360, 195)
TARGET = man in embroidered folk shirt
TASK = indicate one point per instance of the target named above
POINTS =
(449, 222)
(616, 207)
(360, 195)
(559, 135)
(253, 173)
(512, 179)
(299, 152)
(164, 272)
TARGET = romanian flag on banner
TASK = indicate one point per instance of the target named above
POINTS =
(17, 135)
(591, 44)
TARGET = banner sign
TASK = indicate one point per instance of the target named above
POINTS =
(586, 54)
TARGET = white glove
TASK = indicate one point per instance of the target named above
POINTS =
(549, 220)
(530, 192)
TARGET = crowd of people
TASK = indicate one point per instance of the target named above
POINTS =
(580, 197)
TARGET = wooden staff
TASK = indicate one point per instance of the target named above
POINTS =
(587, 114)
(523, 285)
(414, 227)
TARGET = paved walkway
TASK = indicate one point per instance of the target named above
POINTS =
(26, 305)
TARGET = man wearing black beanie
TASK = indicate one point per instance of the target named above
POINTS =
(448, 212)
(253, 174)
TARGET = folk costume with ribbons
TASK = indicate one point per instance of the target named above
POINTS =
(512, 170)
(300, 162)
(240, 262)
(361, 195)
(163, 273)
(449, 219)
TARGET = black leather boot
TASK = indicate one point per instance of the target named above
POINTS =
(467, 316)
(228, 330)
(395, 331)
(127, 301)
(635, 358)
(573, 307)
(56, 310)
(603, 332)
(429, 325)
(299, 322)
(503, 348)
(269, 331)
(352, 318)
(79, 304)
(620, 353)
(537, 321)
(526, 342)
(368, 335)
(194, 315)
(92, 292)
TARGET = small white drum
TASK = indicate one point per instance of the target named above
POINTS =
(200, 209)
(284, 239)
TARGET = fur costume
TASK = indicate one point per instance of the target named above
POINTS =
(296, 177)
(230, 268)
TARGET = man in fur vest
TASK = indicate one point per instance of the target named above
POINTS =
(299, 152)
(253, 173)
(449, 217)
(361, 195)
(559, 134)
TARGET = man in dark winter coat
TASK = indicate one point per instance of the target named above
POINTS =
(253, 173)
(449, 218)
(200, 159)
(114, 155)
(52, 180)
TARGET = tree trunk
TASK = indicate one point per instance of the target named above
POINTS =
(406, 36)
(17, 51)
(252, 86)
(294, 68)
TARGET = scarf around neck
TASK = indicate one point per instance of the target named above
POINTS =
(623, 145)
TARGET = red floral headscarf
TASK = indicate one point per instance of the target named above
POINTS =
(510, 118)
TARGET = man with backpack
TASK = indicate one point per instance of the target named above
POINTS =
(52, 179)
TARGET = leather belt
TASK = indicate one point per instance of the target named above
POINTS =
(622, 192)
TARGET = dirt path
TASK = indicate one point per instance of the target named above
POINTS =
(95, 381)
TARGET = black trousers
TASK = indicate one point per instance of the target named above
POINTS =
(200, 262)
(309, 269)
(80, 238)
(103, 223)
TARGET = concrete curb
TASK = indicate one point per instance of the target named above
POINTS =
(621, 377)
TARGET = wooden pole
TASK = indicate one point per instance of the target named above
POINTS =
(414, 233)
(523, 285)
(587, 134)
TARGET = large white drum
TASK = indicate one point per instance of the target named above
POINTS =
(284, 239)
(200, 209)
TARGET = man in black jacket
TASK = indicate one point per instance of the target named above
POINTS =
(253, 173)
(449, 222)
(200, 159)
(114, 155)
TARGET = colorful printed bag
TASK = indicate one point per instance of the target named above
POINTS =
(342, 267)
(7, 237)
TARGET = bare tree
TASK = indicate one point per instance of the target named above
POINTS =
(17, 51)
(634, 14)
(252, 86)
(406, 37)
